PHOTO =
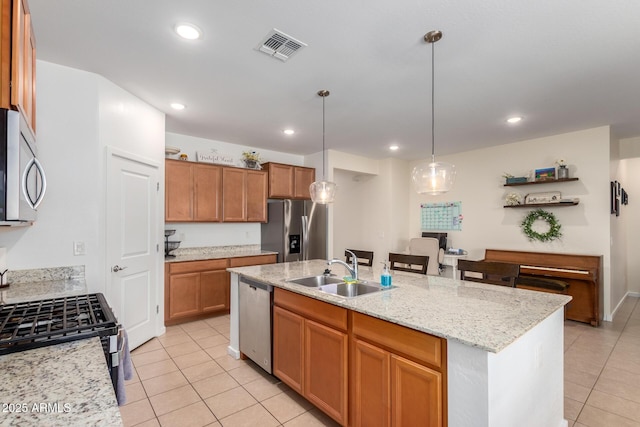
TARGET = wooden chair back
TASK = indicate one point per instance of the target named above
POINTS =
(494, 273)
(364, 257)
(420, 261)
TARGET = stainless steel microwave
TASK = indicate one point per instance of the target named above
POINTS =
(22, 179)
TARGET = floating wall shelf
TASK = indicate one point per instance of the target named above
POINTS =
(550, 181)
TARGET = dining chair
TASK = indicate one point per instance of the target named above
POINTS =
(430, 247)
(420, 261)
(494, 273)
(364, 257)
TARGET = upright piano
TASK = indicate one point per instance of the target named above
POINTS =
(583, 274)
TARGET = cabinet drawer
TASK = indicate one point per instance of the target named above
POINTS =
(192, 266)
(312, 309)
(252, 260)
(399, 339)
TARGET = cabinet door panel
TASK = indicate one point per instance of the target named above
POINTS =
(416, 398)
(280, 180)
(184, 295)
(325, 376)
(256, 196)
(234, 195)
(179, 191)
(207, 190)
(371, 401)
(303, 177)
(287, 347)
(214, 291)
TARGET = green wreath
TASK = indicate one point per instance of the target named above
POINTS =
(551, 234)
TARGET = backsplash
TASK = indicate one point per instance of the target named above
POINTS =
(46, 274)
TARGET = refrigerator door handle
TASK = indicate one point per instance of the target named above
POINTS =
(305, 238)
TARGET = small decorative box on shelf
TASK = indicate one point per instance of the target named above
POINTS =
(516, 180)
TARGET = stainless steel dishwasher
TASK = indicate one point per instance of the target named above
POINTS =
(256, 300)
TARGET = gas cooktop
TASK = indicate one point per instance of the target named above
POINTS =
(33, 324)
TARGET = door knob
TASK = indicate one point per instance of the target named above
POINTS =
(117, 268)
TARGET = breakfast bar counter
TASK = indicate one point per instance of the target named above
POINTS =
(504, 345)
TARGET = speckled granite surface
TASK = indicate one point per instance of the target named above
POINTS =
(484, 316)
(216, 252)
(43, 387)
(44, 283)
(46, 274)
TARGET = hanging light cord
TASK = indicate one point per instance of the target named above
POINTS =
(323, 151)
(433, 131)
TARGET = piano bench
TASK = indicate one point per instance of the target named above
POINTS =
(542, 283)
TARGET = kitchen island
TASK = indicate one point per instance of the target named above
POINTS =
(504, 346)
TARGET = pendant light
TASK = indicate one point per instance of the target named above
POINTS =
(436, 177)
(323, 192)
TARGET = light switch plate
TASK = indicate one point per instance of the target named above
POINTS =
(79, 248)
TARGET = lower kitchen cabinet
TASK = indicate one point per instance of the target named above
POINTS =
(310, 351)
(397, 375)
(197, 289)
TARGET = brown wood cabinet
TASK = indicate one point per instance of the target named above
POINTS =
(244, 195)
(288, 181)
(397, 375)
(18, 60)
(310, 351)
(192, 192)
(197, 192)
(197, 289)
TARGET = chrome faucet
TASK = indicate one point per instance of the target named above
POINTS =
(353, 269)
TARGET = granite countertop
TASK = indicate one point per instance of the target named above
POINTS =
(484, 316)
(216, 252)
(43, 386)
(63, 384)
(19, 292)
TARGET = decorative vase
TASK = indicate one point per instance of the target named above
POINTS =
(251, 164)
(563, 172)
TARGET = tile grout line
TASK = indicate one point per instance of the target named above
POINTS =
(635, 305)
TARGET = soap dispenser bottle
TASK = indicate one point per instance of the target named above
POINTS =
(385, 277)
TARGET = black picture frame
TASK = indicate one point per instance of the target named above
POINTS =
(617, 207)
(618, 188)
(625, 197)
(613, 197)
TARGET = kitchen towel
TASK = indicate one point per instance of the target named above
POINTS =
(125, 369)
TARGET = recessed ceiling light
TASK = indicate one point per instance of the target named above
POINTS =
(513, 120)
(288, 131)
(188, 31)
(393, 147)
(177, 106)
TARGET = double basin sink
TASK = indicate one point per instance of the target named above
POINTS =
(335, 286)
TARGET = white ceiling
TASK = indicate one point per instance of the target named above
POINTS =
(563, 65)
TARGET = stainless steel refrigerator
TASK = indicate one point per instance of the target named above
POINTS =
(297, 230)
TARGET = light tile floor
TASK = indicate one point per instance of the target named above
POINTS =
(185, 378)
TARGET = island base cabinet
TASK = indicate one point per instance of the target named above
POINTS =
(310, 351)
(416, 398)
(287, 347)
(325, 379)
(371, 400)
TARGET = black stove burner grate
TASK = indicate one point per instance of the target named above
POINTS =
(33, 324)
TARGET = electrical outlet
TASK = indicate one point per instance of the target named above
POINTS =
(79, 248)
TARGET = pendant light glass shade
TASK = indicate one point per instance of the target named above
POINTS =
(323, 192)
(435, 177)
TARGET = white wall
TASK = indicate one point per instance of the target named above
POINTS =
(193, 235)
(79, 113)
(486, 224)
(629, 174)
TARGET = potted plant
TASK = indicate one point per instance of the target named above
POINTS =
(251, 159)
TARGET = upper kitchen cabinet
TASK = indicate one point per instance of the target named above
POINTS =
(193, 192)
(18, 60)
(244, 195)
(288, 181)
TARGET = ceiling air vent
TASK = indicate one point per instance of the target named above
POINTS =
(279, 45)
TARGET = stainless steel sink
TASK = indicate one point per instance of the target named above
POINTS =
(316, 281)
(350, 290)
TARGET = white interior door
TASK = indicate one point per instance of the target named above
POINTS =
(132, 244)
